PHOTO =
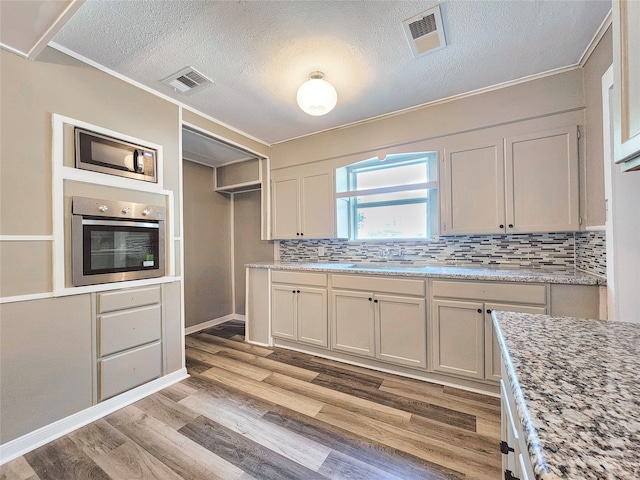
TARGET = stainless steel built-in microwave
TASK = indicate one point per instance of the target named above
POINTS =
(101, 153)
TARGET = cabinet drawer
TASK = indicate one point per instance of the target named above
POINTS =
(491, 291)
(130, 298)
(127, 329)
(299, 278)
(127, 370)
(379, 284)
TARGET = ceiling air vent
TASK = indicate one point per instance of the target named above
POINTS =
(187, 81)
(425, 32)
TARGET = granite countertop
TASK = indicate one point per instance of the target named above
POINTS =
(571, 277)
(575, 383)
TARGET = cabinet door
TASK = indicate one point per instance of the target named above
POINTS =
(401, 330)
(473, 189)
(317, 206)
(541, 184)
(283, 312)
(312, 316)
(492, 356)
(458, 338)
(285, 208)
(626, 78)
(509, 432)
(352, 322)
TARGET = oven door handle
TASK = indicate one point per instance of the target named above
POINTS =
(120, 223)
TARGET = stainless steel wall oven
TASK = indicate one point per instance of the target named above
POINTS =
(115, 241)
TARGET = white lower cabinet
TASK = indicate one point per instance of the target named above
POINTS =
(516, 464)
(299, 307)
(128, 339)
(458, 337)
(380, 318)
(463, 342)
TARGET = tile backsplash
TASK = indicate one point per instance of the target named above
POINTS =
(591, 252)
(544, 250)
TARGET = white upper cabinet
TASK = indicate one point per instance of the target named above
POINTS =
(523, 184)
(541, 182)
(473, 189)
(303, 205)
(626, 79)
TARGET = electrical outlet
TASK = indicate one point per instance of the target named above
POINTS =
(321, 251)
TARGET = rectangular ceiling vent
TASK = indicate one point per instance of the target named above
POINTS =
(187, 81)
(425, 32)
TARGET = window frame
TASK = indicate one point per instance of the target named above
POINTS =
(374, 165)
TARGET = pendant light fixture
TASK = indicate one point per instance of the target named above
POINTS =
(316, 96)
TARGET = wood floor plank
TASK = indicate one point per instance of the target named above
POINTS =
(411, 405)
(478, 397)
(17, 469)
(244, 453)
(244, 347)
(227, 329)
(339, 465)
(294, 401)
(277, 439)
(233, 396)
(469, 463)
(226, 363)
(177, 391)
(340, 399)
(268, 364)
(131, 462)
(97, 438)
(462, 439)
(419, 392)
(198, 343)
(306, 361)
(63, 459)
(173, 414)
(490, 427)
(196, 366)
(182, 455)
(355, 446)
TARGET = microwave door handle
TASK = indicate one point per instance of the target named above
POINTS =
(138, 168)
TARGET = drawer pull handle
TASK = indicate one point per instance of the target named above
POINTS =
(511, 225)
(508, 475)
(501, 226)
(370, 298)
(488, 310)
(479, 310)
(375, 301)
(297, 291)
(505, 448)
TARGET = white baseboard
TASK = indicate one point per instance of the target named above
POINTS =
(31, 441)
(213, 323)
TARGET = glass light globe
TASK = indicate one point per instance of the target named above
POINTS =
(316, 96)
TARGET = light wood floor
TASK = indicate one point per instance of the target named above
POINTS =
(249, 412)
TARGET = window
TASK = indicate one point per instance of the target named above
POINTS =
(395, 198)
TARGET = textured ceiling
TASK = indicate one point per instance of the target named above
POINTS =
(259, 52)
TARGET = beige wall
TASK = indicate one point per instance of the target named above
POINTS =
(207, 247)
(541, 97)
(248, 248)
(45, 362)
(594, 68)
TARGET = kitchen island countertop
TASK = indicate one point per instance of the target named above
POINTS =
(568, 277)
(577, 395)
